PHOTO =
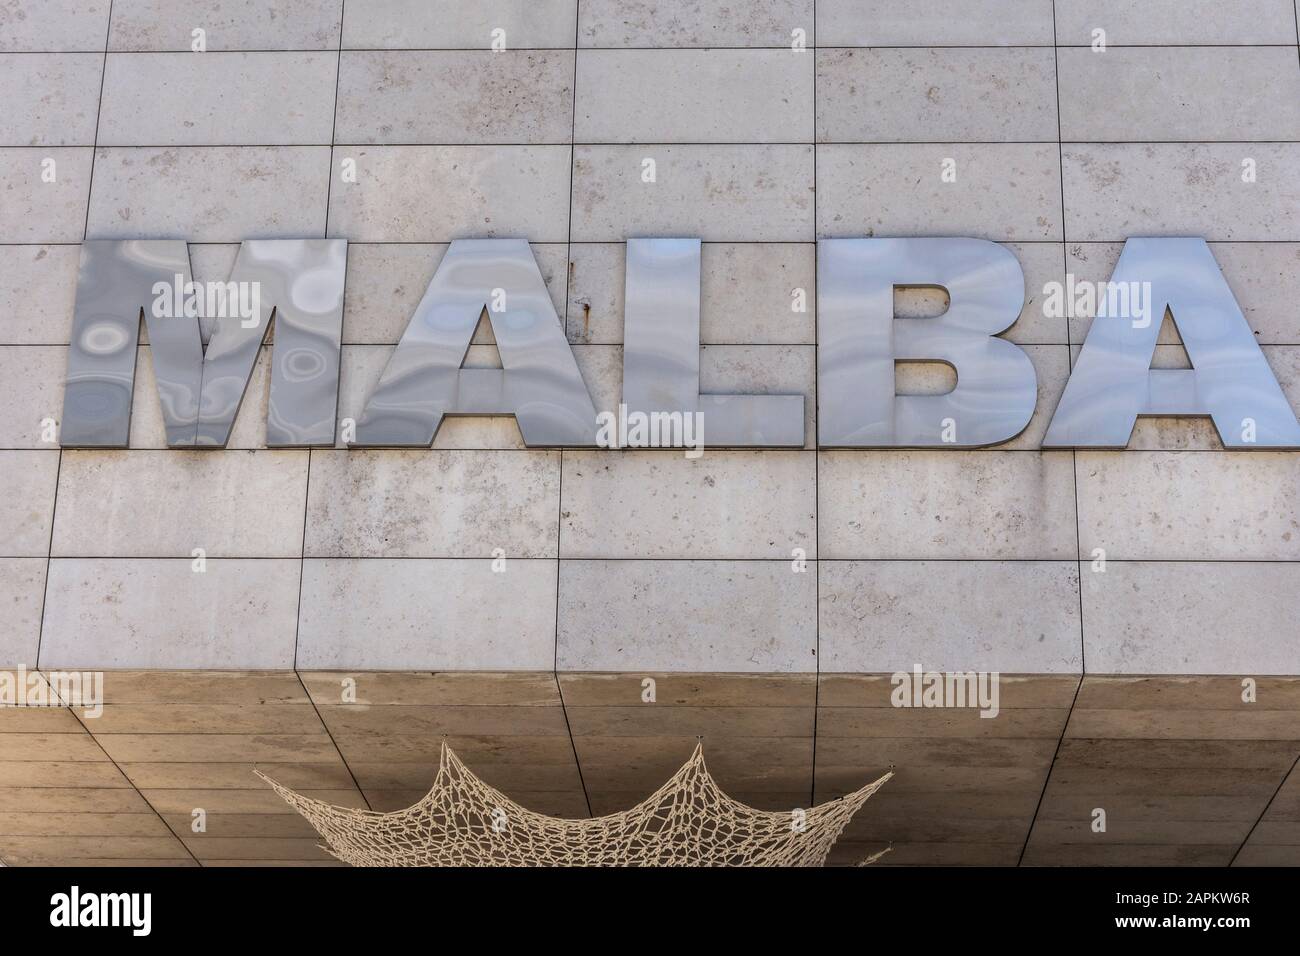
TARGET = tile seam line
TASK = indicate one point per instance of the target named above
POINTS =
(325, 730)
(1264, 812)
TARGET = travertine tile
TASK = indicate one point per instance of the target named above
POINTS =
(1174, 506)
(454, 96)
(1002, 191)
(31, 392)
(936, 95)
(217, 99)
(51, 98)
(190, 192)
(440, 193)
(451, 24)
(27, 488)
(946, 504)
(1192, 617)
(167, 503)
(1160, 22)
(425, 609)
(718, 193)
(45, 194)
(659, 504)
(1179, 93)
(935, 23)
(231, 25)
(1117, 190)
(730, 616)
(158, 613)
(54, 25)
(22, 594)
(387, 503)
(653, 96)
(38, 286)
(949, 616)
(667, 23)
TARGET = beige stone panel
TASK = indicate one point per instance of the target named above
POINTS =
(38, 287)
(654, 720)
(31, 392)
(923, 782)
(1002, 191)
(665, 23)
(1014, 690)
(159, 613)
(870, 23)
(657, 615)
(1251, 787)
(36, 209)
(434, 722)
(189, 775)
(144, 193)
(455, 96)
(976, 504)
(256, 848)
(1188, 693)
(450, 24)
(1179, 93)
(656, 503)
(1249, 724)
(738, 764)
(721, 193)
(1162, 22)
(202, 687)
(690, 690)
(446, 688)
(27, 482)
(44, 850)
(166, 503)
(56, 25)
(1172, 506)
(440, 193)
(938, 723)
(263, 801)
(218, 747)
(236, 826)
(1275, 756)
(1146, 807)
(38, 719)
(388, 503)
(950, 753)
(54, 747)
(51, 98)
(217, 99)
(207, 719)
(434, 614)
(56, 824)
(248, 24)
(72, 800)
(753, 96)
(934, 94)
(55, 774)
(1117, 190)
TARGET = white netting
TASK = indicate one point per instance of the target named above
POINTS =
(688, 821)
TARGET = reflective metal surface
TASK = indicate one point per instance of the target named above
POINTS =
(300, 281)
(114, 286)
(1113, 382)
(661, 353)
(538, 383)
(859, 340)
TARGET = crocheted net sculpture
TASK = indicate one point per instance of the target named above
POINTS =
(688, 821)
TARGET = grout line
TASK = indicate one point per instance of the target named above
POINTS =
(777, 48)
(328, 733)
(1047, 778)
(338, 75)
(817, 511)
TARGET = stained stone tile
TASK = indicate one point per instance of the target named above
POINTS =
(194, 499)
(946, 504)
(440, 193)
(731, 616)
(1171, 506)
(1178, 93)
(453, 96)
(433, 614)
(754, 96)
(59, 25)
(22, 594)
(433, 504)
(231, 25)
(747, 293)
(31, 392)
(158, 613)
(142, 193)
(450, 24)
(1117, 190)
(1002, 191)
(667, 23)
(717, 193)
(38, 286)
(658, 504)
(27, 487)
(51, 99)
(936, 95)
(211, 99)
(870, 23)
(1191, 617)
(1165, 22)
(949, 616)
(45, 194)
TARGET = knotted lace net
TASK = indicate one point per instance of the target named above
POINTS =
(688, 821)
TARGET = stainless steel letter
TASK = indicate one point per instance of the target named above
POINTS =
(299, 281)
(1113, 382)
(859, 340)
(538, 383)
(661, 353)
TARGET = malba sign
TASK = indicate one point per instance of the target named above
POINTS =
(300, 284)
